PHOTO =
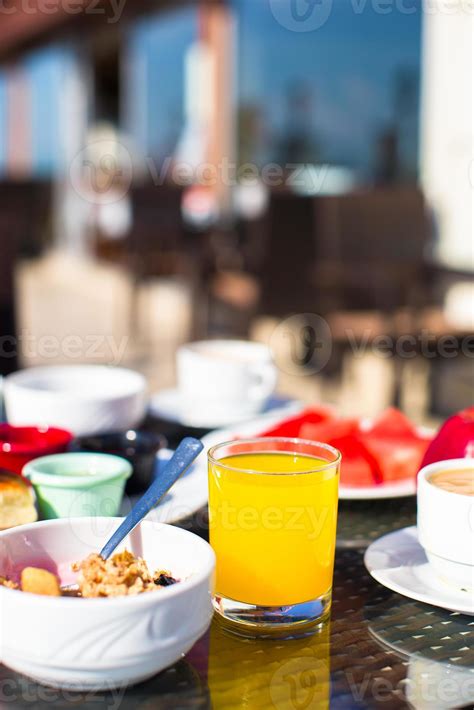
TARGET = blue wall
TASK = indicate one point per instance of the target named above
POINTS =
(156, 51)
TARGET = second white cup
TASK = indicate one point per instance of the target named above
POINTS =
(224, 381)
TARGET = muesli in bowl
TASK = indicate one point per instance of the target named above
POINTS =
(122, 575)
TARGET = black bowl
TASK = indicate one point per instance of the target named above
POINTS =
(138, 447)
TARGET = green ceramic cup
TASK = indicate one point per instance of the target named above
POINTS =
(76, 485)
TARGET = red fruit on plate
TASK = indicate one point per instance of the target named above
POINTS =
(396, 445)
(399, 457)
(330, 429)
(392, 422)
(292, 427)
(358, 466)
(455, 439)
(387, 450)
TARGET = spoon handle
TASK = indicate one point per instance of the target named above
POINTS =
(182, 458)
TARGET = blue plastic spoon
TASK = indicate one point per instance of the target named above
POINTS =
(185, 454)
(188, 450)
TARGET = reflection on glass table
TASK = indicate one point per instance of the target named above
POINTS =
(437, 646)
(253, 673)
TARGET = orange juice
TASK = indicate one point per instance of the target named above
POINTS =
(273, 522)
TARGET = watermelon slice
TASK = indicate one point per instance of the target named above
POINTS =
(358, 466)
(330, 429)
(396, 446)
(388, 450)
(292, 427)
(392, 422)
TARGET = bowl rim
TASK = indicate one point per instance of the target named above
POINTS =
(147, 599)
(21, 380)
(57, 480)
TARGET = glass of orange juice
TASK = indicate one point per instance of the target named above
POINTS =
(272, 521)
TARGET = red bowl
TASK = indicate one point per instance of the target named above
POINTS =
(20, 444)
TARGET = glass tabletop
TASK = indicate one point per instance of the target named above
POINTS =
(379, 649)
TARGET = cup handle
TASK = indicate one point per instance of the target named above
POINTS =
(264, 379)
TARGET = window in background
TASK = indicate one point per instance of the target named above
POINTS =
(346, 93)
(47, 70)
(156, 80)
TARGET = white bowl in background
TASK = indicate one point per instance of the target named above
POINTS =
(101, 644)
(84, 399)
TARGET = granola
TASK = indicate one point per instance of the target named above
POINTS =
(5, 582)
(121, 575)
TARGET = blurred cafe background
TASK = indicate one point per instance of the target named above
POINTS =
(292, 172)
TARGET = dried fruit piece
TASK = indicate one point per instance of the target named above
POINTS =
(164, 579)
(40, 581)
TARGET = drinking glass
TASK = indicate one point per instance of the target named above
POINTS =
(272, 519)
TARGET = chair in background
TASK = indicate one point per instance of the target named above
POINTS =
(155, 246)
(355, 252)
(370, 270)
(370, 250)
(25, 212)
(156, 239)
(356, 259)
(8, 351)
(25, 226)
(286, 272)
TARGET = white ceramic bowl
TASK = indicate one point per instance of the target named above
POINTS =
(102, 643)
(84, 399)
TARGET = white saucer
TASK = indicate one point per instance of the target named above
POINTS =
(167, 405)
(398, 561)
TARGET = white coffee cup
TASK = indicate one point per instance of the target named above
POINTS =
(446, 525)
(224, 381)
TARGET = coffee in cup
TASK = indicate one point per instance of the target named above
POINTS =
(459, 481)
